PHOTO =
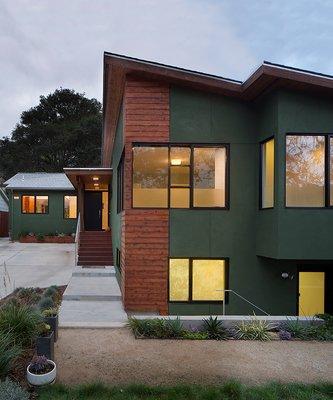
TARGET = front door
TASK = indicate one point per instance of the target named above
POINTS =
(93, 211)
(311, 288)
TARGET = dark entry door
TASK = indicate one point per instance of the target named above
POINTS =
(93, 211)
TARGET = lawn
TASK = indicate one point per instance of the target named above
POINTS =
(228, 391)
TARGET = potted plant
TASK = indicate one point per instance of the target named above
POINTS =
(45, 341)
(41, 371)
(51, 318)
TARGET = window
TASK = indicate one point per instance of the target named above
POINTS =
(35, 204)
(120, 185)
(331, 171)
(195, 280)
(305, 170)
(70, 207)
(267, 174)
(118, 259)
(179, 176)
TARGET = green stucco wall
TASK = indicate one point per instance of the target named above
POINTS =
(52, 222)
(206, 118)
(115, 217)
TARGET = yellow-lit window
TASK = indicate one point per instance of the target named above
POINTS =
(150, 177)
(42, 204)
(267, 174)
(179, 273)
(208, 280)
(28, 204)
(209, 177)
(196, 280)
(180, 177)
(70, 207)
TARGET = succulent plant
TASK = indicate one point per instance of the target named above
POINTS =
(284, 335)
(39, 365)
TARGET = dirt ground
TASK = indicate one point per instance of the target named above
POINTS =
(115, 357)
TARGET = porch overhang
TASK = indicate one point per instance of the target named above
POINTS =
(82, 176)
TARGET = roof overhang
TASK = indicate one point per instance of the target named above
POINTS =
(89, 175)
(265, 78)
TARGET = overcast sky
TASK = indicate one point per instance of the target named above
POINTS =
(47, 44)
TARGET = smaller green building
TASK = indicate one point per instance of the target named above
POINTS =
(41, 203)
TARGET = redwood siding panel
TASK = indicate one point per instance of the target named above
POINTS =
(144, 233)
(4, 224)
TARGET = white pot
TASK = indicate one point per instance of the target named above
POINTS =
(43, 379)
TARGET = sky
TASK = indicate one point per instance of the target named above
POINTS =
(47, 44)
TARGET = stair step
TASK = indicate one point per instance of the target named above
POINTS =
(95, 263)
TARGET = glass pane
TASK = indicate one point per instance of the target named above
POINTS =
(150, 176)
(179, 198)
(180, 176)
(208, 280)
(70, 206)
(305, 171)
(42, 204)
(209, 177)
(331, 171)
(179, 279)
(267, 153)
(28, 204)
(180, 156)
(311, 293)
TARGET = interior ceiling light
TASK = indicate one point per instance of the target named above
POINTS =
(96, 184)
(176, 161)
(95, 178)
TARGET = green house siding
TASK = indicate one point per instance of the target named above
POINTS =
(205, 118)
(115, 216)
(51, 222)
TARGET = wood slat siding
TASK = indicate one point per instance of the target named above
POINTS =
(4, 222)
(144, 233)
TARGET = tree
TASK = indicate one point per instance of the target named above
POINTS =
(63, 130)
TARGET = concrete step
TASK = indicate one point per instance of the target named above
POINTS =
(94, 272)
(94, 263)
(96, 252)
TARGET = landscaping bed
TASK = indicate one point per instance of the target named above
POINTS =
(228, 391)
(28, 319)
(39, 238)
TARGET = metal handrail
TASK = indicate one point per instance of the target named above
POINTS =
(241, 297)
(77, 238)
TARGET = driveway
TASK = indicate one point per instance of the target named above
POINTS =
(34, 264)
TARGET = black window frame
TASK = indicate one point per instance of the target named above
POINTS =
(34, 196)
(327, 137)
(261, 174)
(69, 195)
(118, 259)
(120, 184)
(190, 300)
(191, 146)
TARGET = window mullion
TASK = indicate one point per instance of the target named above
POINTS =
(190, 279)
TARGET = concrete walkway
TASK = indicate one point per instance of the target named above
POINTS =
(92, 300)
(35, 264)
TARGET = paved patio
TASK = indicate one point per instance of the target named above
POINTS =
(35, 264)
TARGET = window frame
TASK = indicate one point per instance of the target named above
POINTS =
(63, 204)
(191, 146)
(118, 259)
(120, 184)
(261, 174)
(34, 196)
(190, 277)
(327, 137)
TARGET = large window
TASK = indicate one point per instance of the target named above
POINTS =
(70, 207)
(195, 280)
(267, 174)
(35, 204)
(306, 170)
(180, 176)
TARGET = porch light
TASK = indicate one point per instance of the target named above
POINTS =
(176, 161)
(96, 184)
(95, 178)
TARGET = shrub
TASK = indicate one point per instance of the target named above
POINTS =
(8, 353)
(214, 329)
(50, 291)
(284, 335)
(28, 295)
(195, 335)
(10, 390)
(50, 312)
(156, 328)
(253, 330)
(174, 328)
(40, 237)
(20, 321)
(46, 302)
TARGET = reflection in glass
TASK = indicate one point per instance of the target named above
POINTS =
(208, 280)
(179, 279)
(28, 204)
(267, 173)
(150, 177)
(209, 177)
(305, 171)
(70, 207)
(42, 204)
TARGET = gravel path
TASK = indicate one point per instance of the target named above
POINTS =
(113, 356)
